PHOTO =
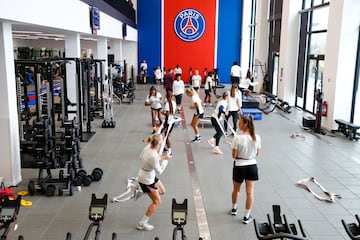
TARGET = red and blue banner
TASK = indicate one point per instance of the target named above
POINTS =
(191, 33)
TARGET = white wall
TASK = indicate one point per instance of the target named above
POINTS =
(341, 47)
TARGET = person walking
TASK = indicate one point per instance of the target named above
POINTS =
(148, 181)
(235, 73)
(154, 99)
(168, 80)
(216, 117)
(245, 148)
(208, 88)
(235, 104)
(178, 91)
(168, 112)
(198, 113)
(196, 81)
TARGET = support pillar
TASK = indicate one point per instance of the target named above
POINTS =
(9, 141)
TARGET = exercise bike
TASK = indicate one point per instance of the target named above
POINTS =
(97, 211)
(9, 209)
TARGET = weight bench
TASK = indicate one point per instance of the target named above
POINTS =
(205, 120)
(347, 128)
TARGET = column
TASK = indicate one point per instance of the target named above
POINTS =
(9, 123)
(72, 50)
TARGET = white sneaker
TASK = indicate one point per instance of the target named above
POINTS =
(144, 226)
(211, 142)
(217, 150)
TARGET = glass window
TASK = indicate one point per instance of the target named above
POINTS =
(317, 43)
(320, 19)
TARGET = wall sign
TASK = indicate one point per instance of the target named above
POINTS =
(189, 25)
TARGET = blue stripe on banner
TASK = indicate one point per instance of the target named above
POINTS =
(149, 33)
(229, 36)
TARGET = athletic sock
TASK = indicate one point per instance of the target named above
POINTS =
(144, 219)
(169, 150)
(247, 213)
(235, 206)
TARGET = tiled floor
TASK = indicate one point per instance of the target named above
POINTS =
(332, 159)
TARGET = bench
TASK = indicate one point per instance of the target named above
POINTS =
(205, 120)
(347, 128)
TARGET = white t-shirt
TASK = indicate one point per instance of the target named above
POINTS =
(150, 165)
(157, 73)
(196, 80)
(196, 99)
(178, 87)
(246, 149)
(235, 71)
(208, 83)
(235, 101)
(177, 71)
(154, 100)
(217, 114)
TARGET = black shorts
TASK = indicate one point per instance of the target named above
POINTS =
(196, 88)
(241, 173)
(196, 115)
(178, 99)
(146, 188)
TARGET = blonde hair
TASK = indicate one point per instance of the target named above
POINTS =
(154, 140)
(190, 91)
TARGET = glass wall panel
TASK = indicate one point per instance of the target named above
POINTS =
(318, 43)
(320, 19)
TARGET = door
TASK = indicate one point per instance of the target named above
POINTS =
(313, 82)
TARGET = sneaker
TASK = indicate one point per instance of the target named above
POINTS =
(144, 226)
(196, 140)
(211, 142)
(170, 155)
(217, 150)
(247, 220)
(233, 211)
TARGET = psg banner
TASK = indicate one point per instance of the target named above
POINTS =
(194, 34)
(189, 35)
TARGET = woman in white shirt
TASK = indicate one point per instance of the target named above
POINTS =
(245, 148)
(169, 111)
(235, 104)
(149, 183)
(154, 100)
(196, 81)
(198, 113)
(178, 91)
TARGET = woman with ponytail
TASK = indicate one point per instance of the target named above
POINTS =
(168, 112)
(149, 183)
(245, 148)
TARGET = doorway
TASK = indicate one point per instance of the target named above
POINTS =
(313, 81)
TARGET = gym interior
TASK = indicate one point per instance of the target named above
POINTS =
(73, 118)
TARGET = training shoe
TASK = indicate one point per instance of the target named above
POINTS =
(247, 220)
(233, 211)
(217, 150)
(170, 155)
(196, 140)
(144, 226)
(211, 142)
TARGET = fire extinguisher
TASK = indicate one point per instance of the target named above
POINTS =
(324, 109)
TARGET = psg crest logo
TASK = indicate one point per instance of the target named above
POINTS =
(189, 25)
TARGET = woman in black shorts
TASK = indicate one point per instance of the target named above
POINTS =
(245, 148)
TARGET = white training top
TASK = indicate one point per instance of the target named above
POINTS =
(177, 70)
(154, 100)
(158, 73)
(196, 99)
(208, 83)
(217, 113)
(235, 71)
(234, 102)
(196, 80)
(246, 82)
(178, 87)
(246, 149)
(150, 165)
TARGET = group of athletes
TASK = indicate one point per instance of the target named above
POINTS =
(245, 145)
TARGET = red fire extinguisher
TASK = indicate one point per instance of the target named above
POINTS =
(324, 109)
